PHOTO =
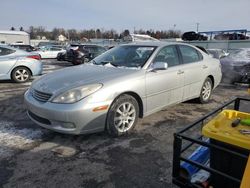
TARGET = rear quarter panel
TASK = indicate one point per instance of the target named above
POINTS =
(214, 70)
(34, 65)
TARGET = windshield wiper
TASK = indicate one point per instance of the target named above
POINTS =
(108, 62)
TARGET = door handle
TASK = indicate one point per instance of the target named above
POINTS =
(204, 66)
(180, 72)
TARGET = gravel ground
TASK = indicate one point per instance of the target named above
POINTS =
(31, 156)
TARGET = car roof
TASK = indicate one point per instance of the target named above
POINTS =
(156, 43)
(20, 45)
(7, 46)
(15, 49)
(90, 45)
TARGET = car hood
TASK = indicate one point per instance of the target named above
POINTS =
(65, 79)
(234, 62)
(240, 57)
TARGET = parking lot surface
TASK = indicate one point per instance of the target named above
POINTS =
(31, 156)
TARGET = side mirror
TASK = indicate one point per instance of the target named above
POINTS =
(160, 66)
(222, 56)
(225, 54)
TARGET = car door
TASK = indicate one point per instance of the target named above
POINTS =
(49, 52)
(195, 71)
(164, 87)
(7, 60)
(44, 52)
(54, 51)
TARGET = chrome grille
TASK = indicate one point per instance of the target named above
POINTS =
(40, 96)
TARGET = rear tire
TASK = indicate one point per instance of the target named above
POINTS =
(76, 62)
(122, 116)
(20, 74)
(206, 91)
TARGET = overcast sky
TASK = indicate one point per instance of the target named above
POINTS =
(127, 14)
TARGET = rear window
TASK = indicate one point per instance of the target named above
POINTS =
(6, 51)
(189, 54)
(95, 49)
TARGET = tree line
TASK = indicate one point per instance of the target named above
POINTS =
(76, 35)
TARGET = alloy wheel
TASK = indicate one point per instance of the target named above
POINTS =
(21, 75)
(206, 90)
(125, 116)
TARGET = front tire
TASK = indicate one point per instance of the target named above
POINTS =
(20, 74)
(122, 116)
(206, 91)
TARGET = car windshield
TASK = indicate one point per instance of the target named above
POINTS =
(126, 56)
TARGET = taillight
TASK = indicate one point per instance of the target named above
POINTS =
(37, 57)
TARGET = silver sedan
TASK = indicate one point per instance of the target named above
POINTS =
(18, 65)
(125, 83)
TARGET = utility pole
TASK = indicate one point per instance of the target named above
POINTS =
(174, 26)
(197, 26)
(68, 35)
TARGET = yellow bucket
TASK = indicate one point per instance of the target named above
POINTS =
(220, 128)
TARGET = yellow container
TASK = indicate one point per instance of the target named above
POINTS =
(220, 128)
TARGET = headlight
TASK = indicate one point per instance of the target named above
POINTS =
(76, 94)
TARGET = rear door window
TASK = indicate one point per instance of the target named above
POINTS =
(6, 51)
(189, 54)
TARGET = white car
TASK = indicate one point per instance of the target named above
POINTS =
(18, 65)
(50, 52)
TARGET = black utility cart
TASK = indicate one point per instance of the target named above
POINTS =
(227, 162)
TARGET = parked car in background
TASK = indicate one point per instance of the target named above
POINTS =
(231, 36)
(61, 56)
(49, 43)
(67, 55)
(116, 88)
(70, 50)
(27, 48)
(191, 35)
(50, 51)
(84, 53)
(236, 66)
(18, 65)
(218, 53)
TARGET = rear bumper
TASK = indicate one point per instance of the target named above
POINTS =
(37, 68)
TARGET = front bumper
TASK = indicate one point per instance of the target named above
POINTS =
(77, 118)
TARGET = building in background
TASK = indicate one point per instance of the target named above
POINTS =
(62, 38)
(14, 37)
